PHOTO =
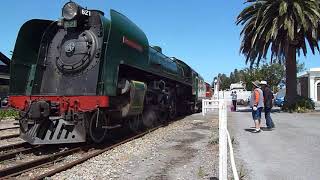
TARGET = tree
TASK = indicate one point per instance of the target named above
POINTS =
(281, 27)
(273, 73)
(225, 81)
(236, 76)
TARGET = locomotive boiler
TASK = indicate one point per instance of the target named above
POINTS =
(75, 79)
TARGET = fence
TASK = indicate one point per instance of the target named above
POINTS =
(209, 105)
(224, 137)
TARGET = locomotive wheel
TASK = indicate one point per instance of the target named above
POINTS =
(199, 110)
(192, 109)
(96, 131)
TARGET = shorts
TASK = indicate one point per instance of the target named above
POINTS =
(256, 115)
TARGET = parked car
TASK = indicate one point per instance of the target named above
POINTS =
(279, 99)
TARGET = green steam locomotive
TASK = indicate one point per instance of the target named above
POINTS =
(77, 78)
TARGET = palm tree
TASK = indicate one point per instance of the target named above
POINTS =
(282, 28)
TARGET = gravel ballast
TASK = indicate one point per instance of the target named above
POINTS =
(182, 150)
(6, 124)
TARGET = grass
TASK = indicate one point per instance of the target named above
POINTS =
(5, 113)
(214, 137)
(233, 140)
(201, 173)
(243, 173)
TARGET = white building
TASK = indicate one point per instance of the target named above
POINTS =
(309, 84)
(240, 88)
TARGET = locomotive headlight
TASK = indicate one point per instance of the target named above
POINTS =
(70, 10)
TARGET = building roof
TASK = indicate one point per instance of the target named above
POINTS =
(315, 69)
(312, 72)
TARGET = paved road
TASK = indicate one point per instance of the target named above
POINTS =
(291, 151)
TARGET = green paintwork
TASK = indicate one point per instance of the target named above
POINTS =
(137, 94)
(186, 71)
(101, 86)
(157, 60)
(149, 60)
(116, 52)
(25, 55)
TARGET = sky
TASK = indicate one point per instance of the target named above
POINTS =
(202, 33)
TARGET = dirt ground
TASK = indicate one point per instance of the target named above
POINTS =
(189, 155)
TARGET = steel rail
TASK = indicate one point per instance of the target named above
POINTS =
(9, 136)
(83, 159)
(21, 150)
(27, 166)
(13, 146)
(8, 128)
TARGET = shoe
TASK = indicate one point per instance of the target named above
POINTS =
(256, 131)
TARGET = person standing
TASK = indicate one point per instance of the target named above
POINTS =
(234, 100)
(256, 103)
(268, 97)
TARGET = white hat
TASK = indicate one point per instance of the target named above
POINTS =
(263, 83)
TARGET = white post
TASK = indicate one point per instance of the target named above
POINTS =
(222, 140)
(203, 107)
(206, 105)
(312, 88)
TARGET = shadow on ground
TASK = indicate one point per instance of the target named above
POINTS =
(213, 178)
(251, 129)
(249, 110)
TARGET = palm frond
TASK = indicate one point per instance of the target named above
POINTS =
(274, 25)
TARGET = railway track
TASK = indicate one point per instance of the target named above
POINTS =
(9, 128)
(17, 170)
(83, 159)
(9, 136)
(17, 151)
(13, 146)
(13, 171)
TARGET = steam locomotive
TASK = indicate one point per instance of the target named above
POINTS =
(75, 79)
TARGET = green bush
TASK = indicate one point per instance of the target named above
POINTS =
(4, 113)
(302, 104)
